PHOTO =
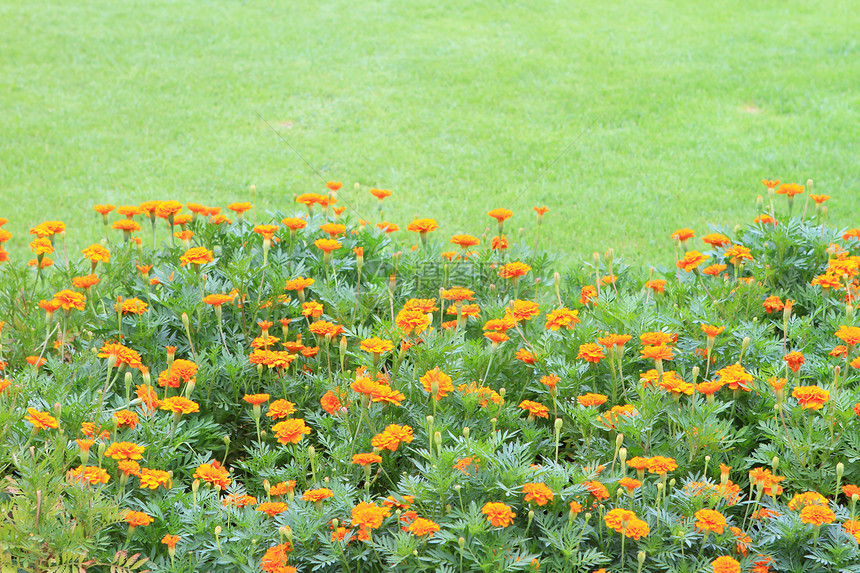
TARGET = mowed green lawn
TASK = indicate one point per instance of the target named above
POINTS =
(627, 120)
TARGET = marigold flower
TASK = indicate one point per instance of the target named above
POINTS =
(811, 397)
(181, 371)
(256, 399)
(369, 515)
(735, 377)
(125, 419)
(179, 405)
(151, 479)
(290, 431)
(294, 224)
(392, 437)
(710, 520)
(625, 522)
(773, 304)
(213, 474)
(366, 459)
(817, 514)
(588, 400)
(661, 352)
(170, 540)
(376, 345)
(319, 494)
(790, 189)
(716, 240)
(525, 356)
(92, 475)
(591, 352)
(103, 209)
(801, 500)
(561, 318)
(131, 306)
(41, 420)
(500, 214)
(514, 270)
(218, 299)
(124, 451)
(691, 261)
(709, 387)
(465, 241)
(714, 270)
(498, 514)
(275, 559)
(617, 340)
(443, 383)
(196, 256)
(420, 527)
(725, 564)
(97, 254)
(137, 518)
(327, 245)
(69, 299)
(330, 403)
(661, 465)
(795, 360)
(712, 331)
(629, 484)
(850, 335)
(522, 310)
(538, 493)
(535, 409)
(85, 282)
(422, 226)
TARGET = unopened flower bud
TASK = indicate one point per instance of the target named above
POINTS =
(466, 432)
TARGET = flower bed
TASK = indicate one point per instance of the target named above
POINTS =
(320, 393)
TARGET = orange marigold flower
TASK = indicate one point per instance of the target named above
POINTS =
(41, 420)
(617, 340)
(152, 479)
(130, 306)
(421, 526)
(213, 474)
(561, 318)
(629, 484)
(801, 500)
(714, 270)
(330, 403)
(514, 270)
(790, 189)
(819, 199)
(290, 431)
(657, 285)
(683, 234)
(661, 352)
(811, 397)
(85, 282)
(591, 352)
(272, 508)
(773, 304)
(657, 338)
(181, 371)
(712, 331)
(369, 515)
(522, 310)
(735, 377)
(275, 559)
(170, 540)
(294, 224)
(366, 459)
(498, 514)
(124, 451)
(196, 256)
(376, 345)
(442, 381)
(92, 475)
(327, 245)
(588, 294)
(725, 564)
(538, 493)
(852, 527)
(465, 241)
(103, 209)
(422, 226)
(709, 387)
(661, 465)
(710, 520)
(69, 299)
(817, 514)
(795, 360)
(239, 207)
(525, 356)
(391, 437)
(166, 209)
(125, 419)
(318, 494)
(137, 518)
(218, 299)
(535, 409)
(380, 193)
(716, 240)
(500, 214)
(691, 261)
(850, 335)
(597, 489)
(256, 399)
(588, 400)
(179, 405)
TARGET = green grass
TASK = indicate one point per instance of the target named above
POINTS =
(627, 120)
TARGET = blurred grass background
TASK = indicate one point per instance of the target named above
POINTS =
(627, 120)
